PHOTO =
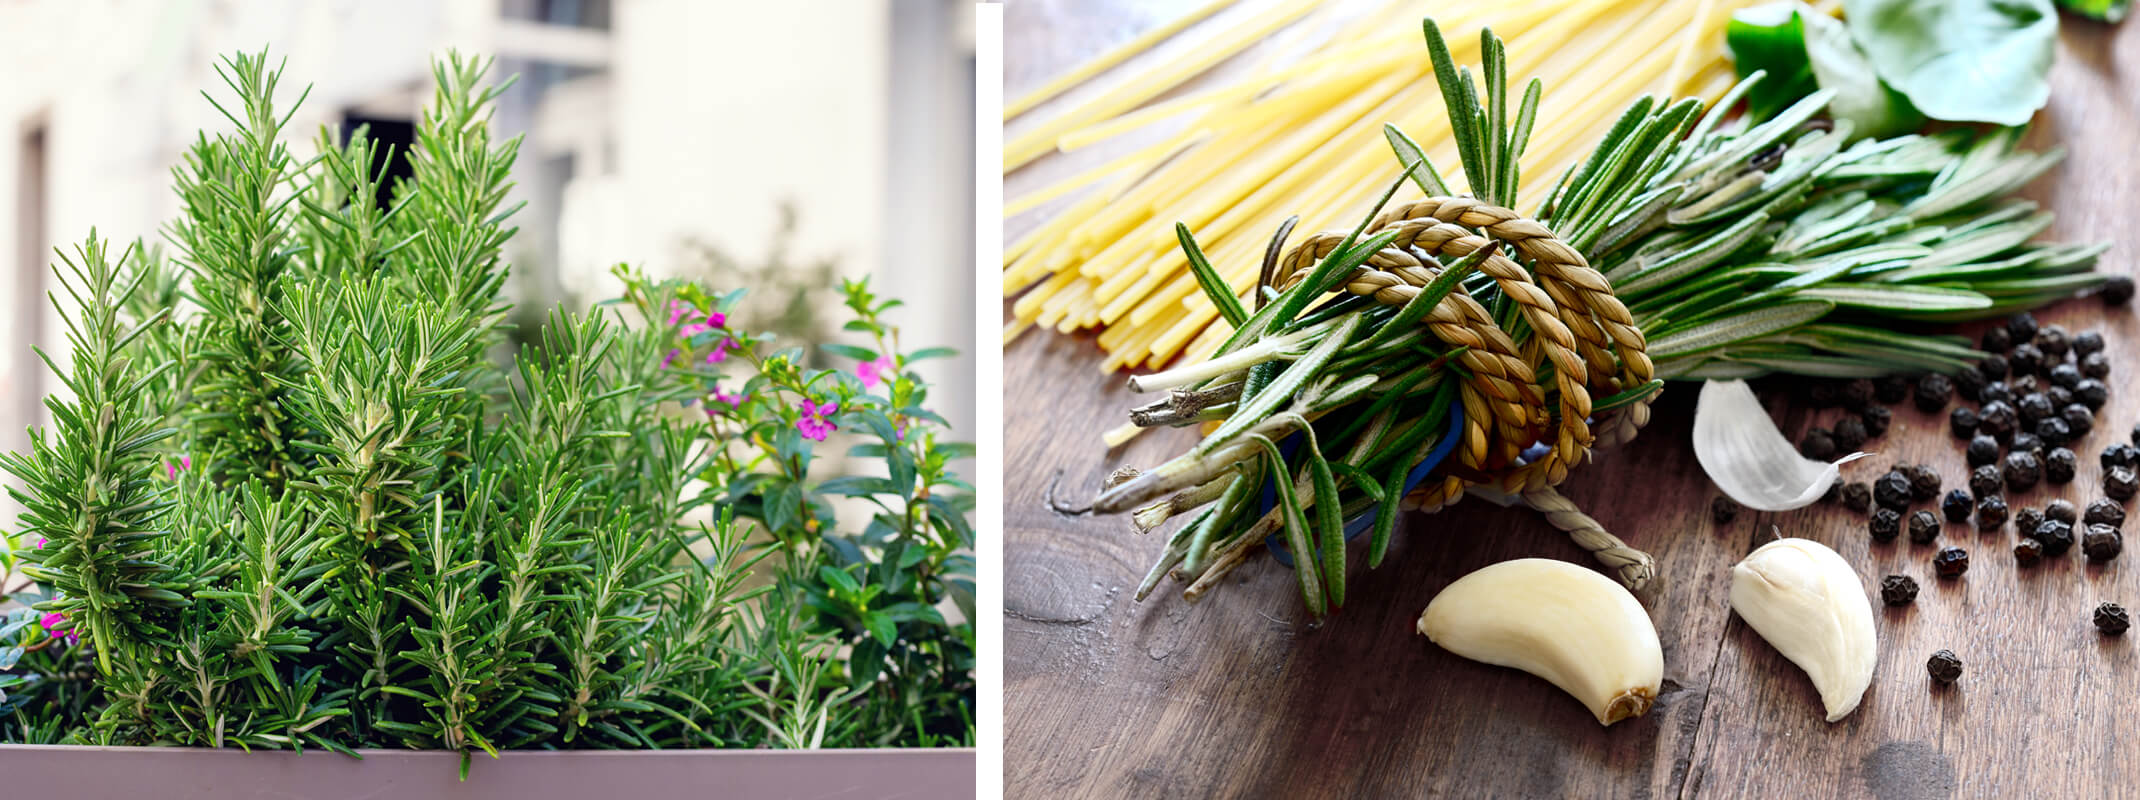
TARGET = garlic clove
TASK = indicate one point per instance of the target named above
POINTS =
(1748, 458)
(1577, 629)
(1810, 605)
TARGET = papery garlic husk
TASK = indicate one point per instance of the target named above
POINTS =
(1748, 458)
(1578, 629)
(1810, 605)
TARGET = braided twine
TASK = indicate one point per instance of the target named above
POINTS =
(1578, 327)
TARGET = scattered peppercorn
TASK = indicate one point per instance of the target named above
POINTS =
(2116, 290)
(2087, 342)
(1892, 490)
(2025, 359)
(1996, 339)
(1924, 527)
(2052, 341)
(1995, 392)
(1945, 667)
(1951, 562)
(1993, 367)
(1968, 383)
(2062, 510)
(2028, 551)
(2027, 443)
(2102, 543)
(2022, 470)
(1898, 590)
(1886, 524)
(2060, 396)
(1857, 393)
(2120, 455)
(1849, 434)
(1723, 510)
(1924, 482)
(1998, 420)
(2066, 375)
(1858, 496)
(1991, 511)
(1817, 445)
(1986, 480)
(2120, 483)
(1957, 505)
(2054, 431)
(2022, 326)
(1982, 450)
(2027, 520)
(2079, 419)
(2034, 406)
(2092, 393)
(2095, 365)
(1876, 420)
(1933, 392)
(2057, 537)
(2059, 466)
(2110, 618)
(2104, 511)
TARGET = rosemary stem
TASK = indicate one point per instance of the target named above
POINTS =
(1283, 346)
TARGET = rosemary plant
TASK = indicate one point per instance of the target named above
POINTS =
(1739, 250)
(291, 500)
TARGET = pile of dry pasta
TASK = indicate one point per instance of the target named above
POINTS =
(1244, 150)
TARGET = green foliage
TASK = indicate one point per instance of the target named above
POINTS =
(366, 533)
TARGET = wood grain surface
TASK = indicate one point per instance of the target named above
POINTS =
(1238, 697)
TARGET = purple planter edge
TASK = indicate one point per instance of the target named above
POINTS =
(182, 773)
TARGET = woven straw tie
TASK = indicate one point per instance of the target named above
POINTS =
(1578, 327)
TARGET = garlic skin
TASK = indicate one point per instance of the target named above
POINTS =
(1577, 629)
(1809, 604)
(1747, 458)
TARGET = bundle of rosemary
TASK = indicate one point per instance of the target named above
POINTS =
(1714, 247)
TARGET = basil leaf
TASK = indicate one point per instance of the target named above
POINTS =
(1962, 60)
(1873, 109)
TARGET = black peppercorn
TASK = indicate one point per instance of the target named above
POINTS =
(2022, 470)
(2026, 442)
(2104, 511)
(2087, 342)
(1995, 392)
(2024, 384)
(1982, 450)
(2060, 396)
(2102, 543)
(2022, 326)
(1834, 493)
(1817, 445)
(2062, 510)
(1998, 420)
(1876, 420)
(1986, 480)
(1968, 383)
(2052, 341)
(2116, 290)
(1858, 497)
(2027, 519)
(2032, 407)
(2028, 551)
(1886, 524)
(1924, 527)
(1723, 510)
(2078, 419)
(1821, 394)
(1892, 389)
(2025, 359)
(1991, 511)
(2120, 455)
(2066, 375)
(1924, 482)
(1892, 490)
(2057, 537)
(1951, 562)
(2059, 466)
(2054, 431)
(1898, 590)
(1996, 339)
(2096, 365)
(1849, 434)
(1945, 667)
(1857, 394)
(2110, 618)
(1993, 367)
(1957, 505)
(2091, 393)
(1933, 392)
(2120, 483)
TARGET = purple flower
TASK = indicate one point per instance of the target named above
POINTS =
(695, 329)
(171, 470)
(720, 351)
(719, 397)
(678, 310)
(40, 543)
(813, 422)
(875, 372)
(670, 358)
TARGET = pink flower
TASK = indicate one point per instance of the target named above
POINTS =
(40, 543)
(875, 372)
(813, 422)
(719, 397)
(695, 329)
(669, 359)
(678, 310)
(171, 470)
(720, 351)
(54, 622)
(717, 319)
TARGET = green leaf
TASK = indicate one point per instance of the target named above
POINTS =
(1770, 38)
(1214, 286)
(927, 353)
(883, 627)
(849, 351)
(1894, 297)
(2111, 11)
(1872, 107)
(840, 581)
(1750, 325)
(1961, 60)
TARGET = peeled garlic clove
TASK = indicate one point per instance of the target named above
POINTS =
(1809, 604)
(1571, 626)
(1748, 458)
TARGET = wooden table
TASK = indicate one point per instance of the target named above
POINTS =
(1238, 697)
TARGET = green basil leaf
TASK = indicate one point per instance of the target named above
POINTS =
(1874, 109)
(1961, 60)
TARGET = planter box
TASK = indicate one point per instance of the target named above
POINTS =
(180, 773)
